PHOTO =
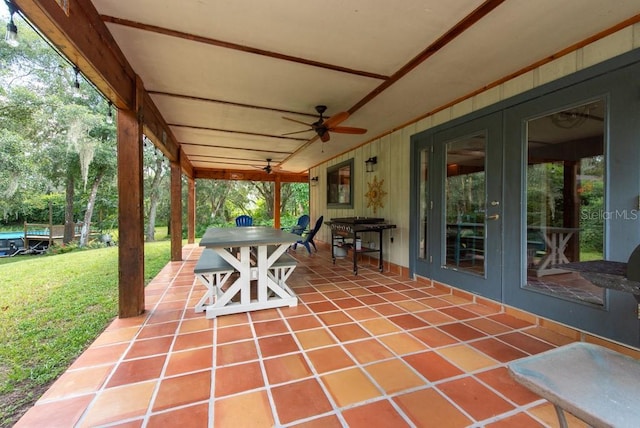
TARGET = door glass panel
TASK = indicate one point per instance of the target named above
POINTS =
(424, 203)
(465, 194)
(565, 200)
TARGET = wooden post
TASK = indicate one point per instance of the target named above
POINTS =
(191, 211)
(176, 212)
(130, 213)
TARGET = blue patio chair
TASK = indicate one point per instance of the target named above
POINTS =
(300, 226)
(244, 221)
(308, 239)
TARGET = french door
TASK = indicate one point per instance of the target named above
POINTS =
(459, 208)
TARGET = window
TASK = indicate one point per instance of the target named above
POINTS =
(340, 185)
(465, 191)
(565, 199)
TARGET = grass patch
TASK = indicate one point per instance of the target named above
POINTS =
(51, 309)
(586, 256)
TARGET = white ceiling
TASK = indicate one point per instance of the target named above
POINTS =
(223, 73)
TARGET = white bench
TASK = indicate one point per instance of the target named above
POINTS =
(593, 383)
(212, 271)
(282, 268)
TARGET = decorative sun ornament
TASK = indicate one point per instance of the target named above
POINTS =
(375, 194)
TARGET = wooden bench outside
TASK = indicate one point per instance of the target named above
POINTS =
(212, 271)
(593, 383)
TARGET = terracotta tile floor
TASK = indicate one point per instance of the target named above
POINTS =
(368, 351)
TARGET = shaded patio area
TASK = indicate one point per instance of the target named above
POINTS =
(371, 350)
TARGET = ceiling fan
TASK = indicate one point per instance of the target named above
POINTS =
(268, 168)
(324, 125)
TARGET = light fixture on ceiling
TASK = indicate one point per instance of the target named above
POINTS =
(76, 83)
(109, 114)
(371, 162)
(12, 30)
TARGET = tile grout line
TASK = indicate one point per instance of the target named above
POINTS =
(214, 370)
(315, 374)
(161, 377)
(121, 359)
(263, 371)
(362, 368)
(428, 384)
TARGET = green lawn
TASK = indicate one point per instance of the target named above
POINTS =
(51, 309)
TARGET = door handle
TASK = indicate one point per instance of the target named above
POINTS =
(493, 217)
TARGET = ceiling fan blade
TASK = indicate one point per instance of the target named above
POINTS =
(297, 121)
(348, 130)
(336, 119)
(298, 132)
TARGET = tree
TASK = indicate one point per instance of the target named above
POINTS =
(294, 199)
(18, 107)
(265, 190)
(155, 171)
(241, 198)
(211, 198)
(52, 136)
(104, 164)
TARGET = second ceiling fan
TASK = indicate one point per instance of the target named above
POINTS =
(324, 125)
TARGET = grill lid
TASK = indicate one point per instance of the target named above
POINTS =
(633, 265)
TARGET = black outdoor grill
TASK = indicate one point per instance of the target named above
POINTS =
(614, 275)
(351, 228)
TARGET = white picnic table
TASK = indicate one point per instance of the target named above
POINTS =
(253, 252)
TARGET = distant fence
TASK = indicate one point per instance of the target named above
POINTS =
(50, 232)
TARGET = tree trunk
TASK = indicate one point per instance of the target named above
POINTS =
(154, 199)
(217, 206)
(68, 211)
(86, 225)
(151, 227)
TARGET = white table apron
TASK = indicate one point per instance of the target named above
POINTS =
(271, 293)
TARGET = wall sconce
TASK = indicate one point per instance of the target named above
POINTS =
(371, 162)
(314, 180)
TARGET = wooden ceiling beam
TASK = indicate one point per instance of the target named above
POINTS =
(245, 175)
(480, 12)
(155, 124)
(187, 168)
(238, 47)
(232, 104)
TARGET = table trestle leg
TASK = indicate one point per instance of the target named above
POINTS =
(213, 281)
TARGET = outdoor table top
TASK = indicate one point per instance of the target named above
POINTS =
(596, 384)
(246, 236)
